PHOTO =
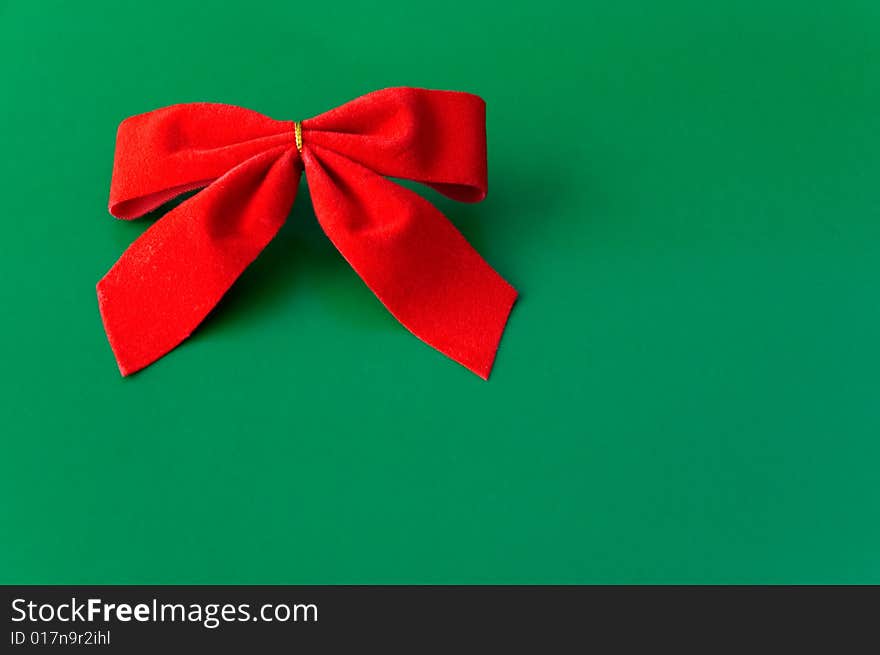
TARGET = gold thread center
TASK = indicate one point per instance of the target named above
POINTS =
(298, 132)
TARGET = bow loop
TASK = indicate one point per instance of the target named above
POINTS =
(437, 138)
(169, 151)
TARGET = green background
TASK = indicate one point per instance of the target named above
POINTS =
(686, 196)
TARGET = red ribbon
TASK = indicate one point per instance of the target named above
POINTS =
(404, 249)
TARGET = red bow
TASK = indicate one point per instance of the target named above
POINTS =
(406, 251)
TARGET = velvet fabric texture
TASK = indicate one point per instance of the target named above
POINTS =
(415, 261)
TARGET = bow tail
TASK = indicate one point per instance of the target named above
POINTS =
(171, 277)
(415, 261)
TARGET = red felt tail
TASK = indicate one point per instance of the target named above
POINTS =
(414, 260)
(168, 280)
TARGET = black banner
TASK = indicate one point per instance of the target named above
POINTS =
(186, 619)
